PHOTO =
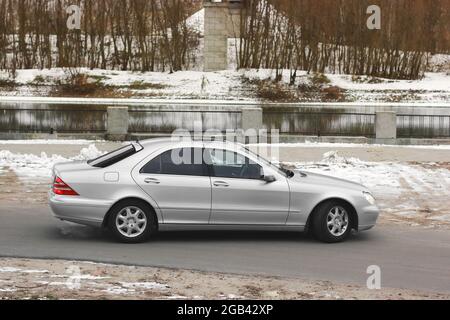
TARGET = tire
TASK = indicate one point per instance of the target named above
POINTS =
(132, 221)
(332, 222)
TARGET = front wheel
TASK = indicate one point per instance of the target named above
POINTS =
(132, 222)
(332, 222)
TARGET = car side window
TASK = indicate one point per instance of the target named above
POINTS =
(182, 162)
(228, 164)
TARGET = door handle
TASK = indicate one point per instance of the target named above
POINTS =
(152, 180)
(221, 184)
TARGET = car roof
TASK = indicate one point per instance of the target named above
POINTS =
(176, 141)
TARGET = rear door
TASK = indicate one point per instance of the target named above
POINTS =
(178, 181)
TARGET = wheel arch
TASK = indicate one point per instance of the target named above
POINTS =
(353, 213)
(137, 199)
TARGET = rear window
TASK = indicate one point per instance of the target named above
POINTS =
(114, 156)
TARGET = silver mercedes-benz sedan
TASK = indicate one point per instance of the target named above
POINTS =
(167, 184)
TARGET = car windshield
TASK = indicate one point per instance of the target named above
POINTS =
(115, 156)
(279, 169)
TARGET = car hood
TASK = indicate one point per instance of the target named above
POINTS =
(323, 180)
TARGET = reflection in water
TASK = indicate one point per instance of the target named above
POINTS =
(41, 118)
(321, 121)
(169, 121)
(317, 122)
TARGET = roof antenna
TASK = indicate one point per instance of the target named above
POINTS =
(139, 143)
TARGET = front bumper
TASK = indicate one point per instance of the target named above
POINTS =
(79, 210)
(368, 217)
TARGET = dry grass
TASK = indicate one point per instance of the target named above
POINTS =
(6, 83)
(315, 89)
(333, 93)
(82, 85)
(141, 85)
(267, 89)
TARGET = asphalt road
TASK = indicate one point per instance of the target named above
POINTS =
(409, 258)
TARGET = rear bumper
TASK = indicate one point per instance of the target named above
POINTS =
(368, 217)
(79, 210)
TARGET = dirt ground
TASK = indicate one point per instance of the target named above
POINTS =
(57, 280)
(428, 201)
(30, 190)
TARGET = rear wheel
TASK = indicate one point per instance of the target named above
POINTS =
(332, 222)
(132, 221)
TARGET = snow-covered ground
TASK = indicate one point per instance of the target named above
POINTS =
(434, 87)
(183, 84)
(232, 85)
(51, 279)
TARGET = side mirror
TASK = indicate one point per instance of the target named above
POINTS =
(270, 179)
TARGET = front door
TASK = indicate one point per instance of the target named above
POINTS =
(240, 195)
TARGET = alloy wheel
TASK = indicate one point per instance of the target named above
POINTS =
(131, 222)
(337, 221)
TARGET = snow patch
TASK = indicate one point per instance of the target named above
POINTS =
(9, 270)
(131, 288)
(177, 298)
(196, 22)
(117, 290)
(28, 165)
(144, 285)
(87, 277)
(14, 270)
(35, 271)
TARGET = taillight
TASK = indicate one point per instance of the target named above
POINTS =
(62, 189)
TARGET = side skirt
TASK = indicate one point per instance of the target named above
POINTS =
(202, 227)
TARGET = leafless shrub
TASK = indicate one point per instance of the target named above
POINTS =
(332, 36)
(319, 79)
(138, 35)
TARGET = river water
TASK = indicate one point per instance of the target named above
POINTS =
(348, 120)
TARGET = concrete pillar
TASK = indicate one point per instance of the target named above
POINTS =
(252, 119)
(222, 21)
(216, 37)
(117, 124)
(386, 125)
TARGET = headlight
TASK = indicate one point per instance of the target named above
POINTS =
(369, 198)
